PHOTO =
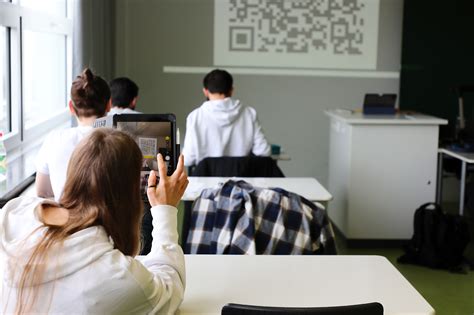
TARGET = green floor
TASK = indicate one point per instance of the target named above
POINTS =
(448, 293)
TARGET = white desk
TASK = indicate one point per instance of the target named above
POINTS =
(465, 158)
(307, 187)
(381, 168)
(297, 281)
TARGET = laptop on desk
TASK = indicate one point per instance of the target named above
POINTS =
(379, 104)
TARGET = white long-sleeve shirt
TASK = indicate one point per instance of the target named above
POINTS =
(223, 128)
(87, 275)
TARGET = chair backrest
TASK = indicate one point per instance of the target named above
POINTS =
(359, 309)
(242, 166)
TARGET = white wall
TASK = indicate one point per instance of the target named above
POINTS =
(155, 33)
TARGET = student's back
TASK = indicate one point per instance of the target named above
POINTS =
(90, 99)
(222, 126)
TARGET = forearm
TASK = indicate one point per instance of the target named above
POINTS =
(166, 259)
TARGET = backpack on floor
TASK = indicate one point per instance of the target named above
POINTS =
(439, 239)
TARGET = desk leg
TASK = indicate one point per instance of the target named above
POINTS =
(463, 188)
(439, 187)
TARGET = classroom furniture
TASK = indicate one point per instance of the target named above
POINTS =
(465, 158)
(307, 187)
(212, 281)
(381, 168)
(245, 166)
(359, 309)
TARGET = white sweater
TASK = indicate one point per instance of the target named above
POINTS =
(223, 128)
(87, 275)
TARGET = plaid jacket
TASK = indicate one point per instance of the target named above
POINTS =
(238, 218)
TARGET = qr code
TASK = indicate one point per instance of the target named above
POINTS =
(148, 147)
(291, 26)
(328, 29)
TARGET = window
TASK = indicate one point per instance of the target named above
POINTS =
(51, 7)
(35, 68)
(44, 76)
(4, 80)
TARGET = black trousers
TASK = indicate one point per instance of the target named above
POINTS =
(147, 228)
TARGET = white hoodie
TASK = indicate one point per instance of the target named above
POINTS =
(223, 128)
(87, 275)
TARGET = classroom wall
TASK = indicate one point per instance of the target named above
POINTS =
(151, 34)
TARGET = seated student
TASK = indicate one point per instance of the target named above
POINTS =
(124, 96)
(222, 126)
(76, 256)
(90, 99)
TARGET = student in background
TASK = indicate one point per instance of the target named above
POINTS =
(76, 256)
(90, 99)
(222, 126)
(124, 96)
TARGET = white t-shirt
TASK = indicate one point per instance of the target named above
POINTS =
(223, 128)
(118, 110)
(53, 157)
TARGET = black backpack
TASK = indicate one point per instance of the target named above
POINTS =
(439, 239)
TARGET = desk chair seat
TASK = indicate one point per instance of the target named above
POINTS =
(359, 309)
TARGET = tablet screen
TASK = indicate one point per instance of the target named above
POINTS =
(152, 137)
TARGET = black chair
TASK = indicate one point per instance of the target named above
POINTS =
(241, 166)
(359, 309)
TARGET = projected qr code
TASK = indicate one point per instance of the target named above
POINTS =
(148, 147)
(327, 29)
(297, 26)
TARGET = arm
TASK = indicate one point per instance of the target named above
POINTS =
(260, 144)
(189, 150)
(165, 290)
(43, 186)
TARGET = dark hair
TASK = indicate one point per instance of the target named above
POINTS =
(89, 94)
(123, 91)
(219, 81)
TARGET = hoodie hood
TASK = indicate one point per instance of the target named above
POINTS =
(223, 112)
(20, 232)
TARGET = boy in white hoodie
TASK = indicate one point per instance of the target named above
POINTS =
(222, 126)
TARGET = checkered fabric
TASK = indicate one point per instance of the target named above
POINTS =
(238, 218)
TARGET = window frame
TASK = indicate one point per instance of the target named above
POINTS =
(18, 19)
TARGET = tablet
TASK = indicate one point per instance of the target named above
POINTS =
(154, 133)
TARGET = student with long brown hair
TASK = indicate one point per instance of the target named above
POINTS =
(90, 99)
(77, 255)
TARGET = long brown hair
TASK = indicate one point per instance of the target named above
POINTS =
(89, 94)
(102, 188)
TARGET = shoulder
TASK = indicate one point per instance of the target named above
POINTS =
(20, 209)
(23, 202)
(192, 116)
(249, 111)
